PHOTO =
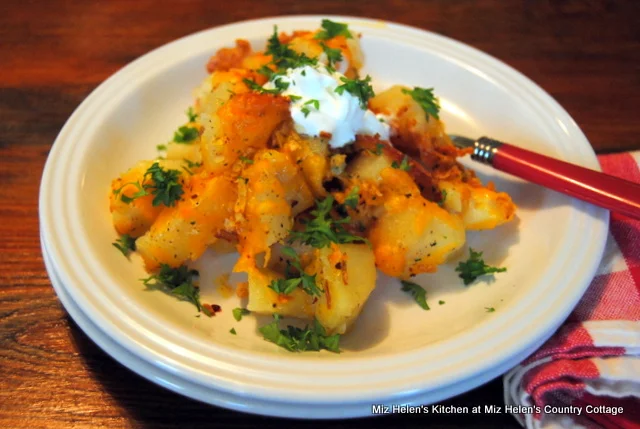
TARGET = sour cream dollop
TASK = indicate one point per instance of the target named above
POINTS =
(317, 108)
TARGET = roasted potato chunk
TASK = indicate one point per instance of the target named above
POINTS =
(183, 232)
(241, 126)
(346, 273)
(480, 207)
(135, 217)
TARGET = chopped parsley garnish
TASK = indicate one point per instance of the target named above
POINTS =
(185, 134)
(426, 100)
(179, 282)
(239, 312)
(255, 86)
(161, 147)
(126, 244)
(283, 56)
(294, 97)
(331, 29)
(378, 149)
(334, 56)
(417, 292)
(443, 192)
(475, 267)
(404, 165)
(305, 110)
(266, 71)
(303, 280)
(352, 198)
(246, 160)
(490, 309)
(141, 192)
(295, 339)
(165, 186)
(232, 331)
(191, 114)
(315, 103)
(441, 302)
(360, 88)
(280, 84)
(190, 165)
(285, 286)
(323, 229)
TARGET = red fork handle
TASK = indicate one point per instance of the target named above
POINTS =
(597, 188)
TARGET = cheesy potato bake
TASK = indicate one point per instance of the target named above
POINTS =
(289, 158)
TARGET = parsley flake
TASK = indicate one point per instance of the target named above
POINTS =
(246, 160)
(443, 192)
(404, 165)
(331, 29)
(353, 198)
(141, 192)
(323, 229)
(360, 88)
(283, 56)
(238, 312)
(294, 339)
(232, 331)
(475, 267)
(255, 86)
(179, 282)
(426, 100)
(161, 147)
(304, 281)
(378, 149)
(126, 244)
(185, 134)
(191, 115)
(490, 309)
(305, 110)
(165, 186)
(334, 56)
(417, 292)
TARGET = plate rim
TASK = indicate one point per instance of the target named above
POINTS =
(43, 204)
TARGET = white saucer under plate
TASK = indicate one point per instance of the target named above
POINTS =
(397, 353)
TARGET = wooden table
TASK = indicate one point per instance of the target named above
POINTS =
(584, 53)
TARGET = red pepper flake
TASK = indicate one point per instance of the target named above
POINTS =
(212, 308)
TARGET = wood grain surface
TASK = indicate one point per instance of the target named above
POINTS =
(584, 53)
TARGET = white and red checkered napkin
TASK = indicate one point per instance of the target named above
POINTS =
(590, 369)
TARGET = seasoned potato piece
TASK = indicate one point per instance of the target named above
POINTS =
(368, 166)
(273, 190)
(266, 214)
(136, 217)
(240, 126)
(480, 207)
(181, 152)
(414, 132)
(297, 192)
(347, 275)
(228, 58)
(310, 153)
(414, 236)
(264, 300)
(218, 87)
(183, 232)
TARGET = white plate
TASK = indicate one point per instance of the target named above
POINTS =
(397, 352)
